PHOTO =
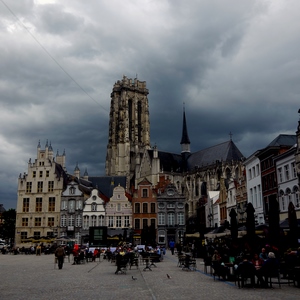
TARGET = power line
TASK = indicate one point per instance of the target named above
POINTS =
(48, 53)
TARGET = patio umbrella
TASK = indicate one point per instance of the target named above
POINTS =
(293, 225)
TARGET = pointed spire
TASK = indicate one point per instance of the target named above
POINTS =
(185, 137)
(76, 168)
(85, 173)
(46, 146)
(39, 144)
(50, 147)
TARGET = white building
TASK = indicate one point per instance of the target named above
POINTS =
(93, 212)
(254, 186)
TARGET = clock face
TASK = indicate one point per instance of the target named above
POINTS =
(170, 192)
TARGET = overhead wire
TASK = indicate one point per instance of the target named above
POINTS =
(49, 54)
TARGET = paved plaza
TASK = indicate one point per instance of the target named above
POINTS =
(36, 277)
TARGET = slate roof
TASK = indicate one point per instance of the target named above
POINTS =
(168, 161)
(226, 151)
(106, 184)
(284, 140)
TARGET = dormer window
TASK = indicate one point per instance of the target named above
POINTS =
(72, 190)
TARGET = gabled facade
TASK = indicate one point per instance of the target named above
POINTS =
(144, 206)
(39, 196)
(279, 145)
(72, 202)
(118, 211)
(93, 213)
(170, 214)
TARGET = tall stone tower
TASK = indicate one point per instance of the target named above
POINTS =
(129, 128)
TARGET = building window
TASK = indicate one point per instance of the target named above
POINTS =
(38, 204)
(101, 220)
(71, 206)
(41, 174)
(25, 222)
(64, 205)
(145, 208)
(110, 221)
(25, 204)
(137, 224)
(161, 219)
(153, 210)
(161, 205)
(153, 223)
(144, 193)
(72, 190)
(94, 221)
(137, 208)
(294, 170)
(28, 187)
(86, 222)
(119, 207)
(51, 204)
(289, 196)
(126, 222)
(171, 205)
(161, 237)
(118, 221)
(47, 173)
(171, 219)
(145, 223)
(287, 172)
(94, 206)
(36, 234)
(38, 222)
(63, 221)
(71, 220)
(23, 235)
(40, 187)
(51, 222)
(79, 204)
(34, 174)
(180, 218)
(50, 186)
(250, 174)
(78, 221)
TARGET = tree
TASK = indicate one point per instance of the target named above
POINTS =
(9, 224)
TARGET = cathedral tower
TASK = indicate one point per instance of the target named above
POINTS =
(129, 127)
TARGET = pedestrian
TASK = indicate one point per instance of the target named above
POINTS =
(60, 254)
(172, 246)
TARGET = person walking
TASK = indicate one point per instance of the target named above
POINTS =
(60, 254)
(172, 246)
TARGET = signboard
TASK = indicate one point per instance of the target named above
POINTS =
(98, 236)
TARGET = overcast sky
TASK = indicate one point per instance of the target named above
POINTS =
(235, 64)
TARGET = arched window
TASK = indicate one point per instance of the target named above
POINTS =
(101, 220)
(94, 206)
(86, 222)
(296, 196)
(94, 221)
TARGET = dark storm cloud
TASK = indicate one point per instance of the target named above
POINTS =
(233, 63)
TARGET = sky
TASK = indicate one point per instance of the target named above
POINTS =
(233, 65)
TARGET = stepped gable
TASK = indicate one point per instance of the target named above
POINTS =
(284, 140)
(169, 162)
(106, 184)
(226, 151)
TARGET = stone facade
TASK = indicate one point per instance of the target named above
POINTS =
(129, 127)
(39, 196)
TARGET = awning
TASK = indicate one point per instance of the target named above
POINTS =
(193, 235)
